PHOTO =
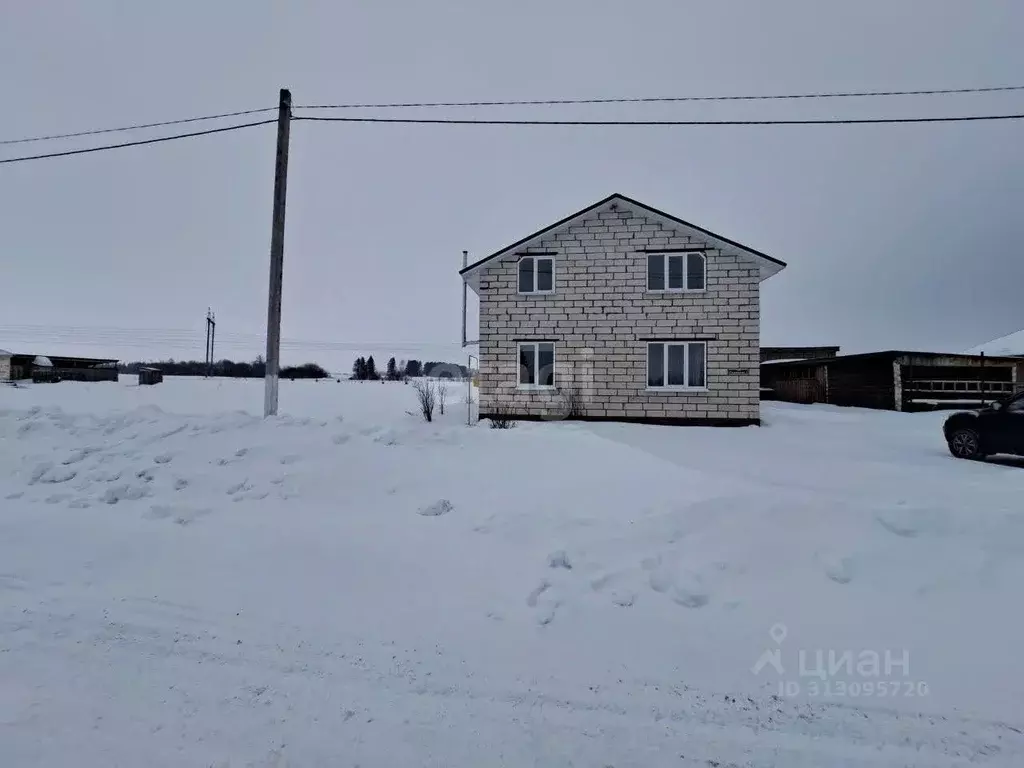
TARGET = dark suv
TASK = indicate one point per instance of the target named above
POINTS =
(999, 428)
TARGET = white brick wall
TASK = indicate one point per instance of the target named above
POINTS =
(601, 316)
(5, 369)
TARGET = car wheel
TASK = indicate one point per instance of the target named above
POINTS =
(965, 444)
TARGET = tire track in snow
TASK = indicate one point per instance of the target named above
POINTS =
(700, 725)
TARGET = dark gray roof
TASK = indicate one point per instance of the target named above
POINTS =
(888, 354)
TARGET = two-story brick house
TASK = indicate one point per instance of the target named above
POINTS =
(624, 313)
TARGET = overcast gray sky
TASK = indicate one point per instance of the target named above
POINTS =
(896, 236)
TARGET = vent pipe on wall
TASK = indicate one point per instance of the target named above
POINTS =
(465, 263)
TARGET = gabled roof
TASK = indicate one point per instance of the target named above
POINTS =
(1011, 344)
(769, 264)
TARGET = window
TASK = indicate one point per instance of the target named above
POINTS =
(537, 364)
(536, 274)
(677, 365)
(675, 271)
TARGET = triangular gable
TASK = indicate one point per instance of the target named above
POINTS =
(769, 265)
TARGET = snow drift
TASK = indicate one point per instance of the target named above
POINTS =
(185, 583)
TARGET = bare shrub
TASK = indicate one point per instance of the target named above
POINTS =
(501, 417)
(442, 396)
(426, 395)
(572, 402)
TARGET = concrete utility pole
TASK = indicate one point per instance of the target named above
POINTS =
(284, 115)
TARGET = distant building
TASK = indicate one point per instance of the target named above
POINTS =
(60, 368)
(892, 380)
(149, 375)
(1011, 345)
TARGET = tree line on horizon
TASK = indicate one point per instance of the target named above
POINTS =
(256, 369)
(365, 369)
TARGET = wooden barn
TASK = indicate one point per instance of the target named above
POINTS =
(893, 380)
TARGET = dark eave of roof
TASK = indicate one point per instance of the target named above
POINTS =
(888, 354)
(629, 201)
(797, 349)
(65, 358)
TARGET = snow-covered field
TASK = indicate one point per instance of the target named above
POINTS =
(185, 584)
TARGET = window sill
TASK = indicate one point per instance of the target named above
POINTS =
(676, 290)
(535, 293)
(676, 390)
(536, 387)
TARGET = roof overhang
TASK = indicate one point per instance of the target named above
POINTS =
(68, 359)
(898, 354)
(768, 264)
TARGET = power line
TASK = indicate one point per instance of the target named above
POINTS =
(188, 338)
(484, 121)
(663, 99)
(138, 143)
(93, 331)
(137, 126)
(520, 102)
(826, 121)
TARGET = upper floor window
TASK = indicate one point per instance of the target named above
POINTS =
(536, 274)
(676, 271)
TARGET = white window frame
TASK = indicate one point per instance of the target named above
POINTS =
(536, 364)
(536, 259)
(666, 387)
(685, 256)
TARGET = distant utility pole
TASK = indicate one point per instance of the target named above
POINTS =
(211, 332)
(284, 115)
(213, 341)
(206, 352)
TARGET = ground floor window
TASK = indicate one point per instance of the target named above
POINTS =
(677, 365)
(537, 364)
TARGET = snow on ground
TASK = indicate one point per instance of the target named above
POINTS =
(185, 584)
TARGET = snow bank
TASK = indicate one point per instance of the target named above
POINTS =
(185, 583)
